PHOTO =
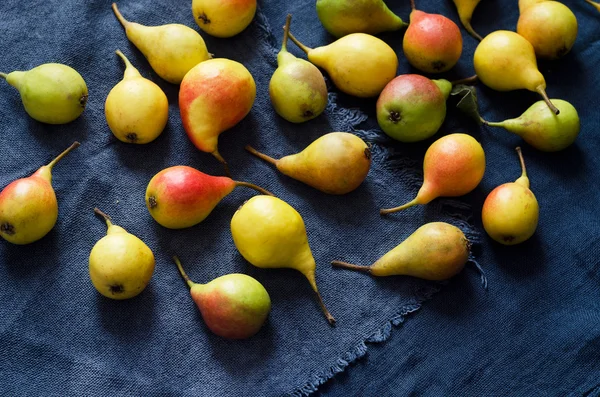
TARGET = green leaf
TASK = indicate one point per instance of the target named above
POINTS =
(467, 101)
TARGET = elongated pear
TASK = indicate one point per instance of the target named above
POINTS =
(120, 264)
(28, 206)
(505, 61)
(435, 251)
(136, 109)
(233, 306)
(359, 64)
(51, 93)
(297, 88)
(465, 10)
(336, 163)
(510, 212)
(269, 233)
(594, 4)
(181, 196)
(343, 17)
(453, 166)
(172, 49)
(542, 129)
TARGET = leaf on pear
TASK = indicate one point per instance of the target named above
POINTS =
(467, 101)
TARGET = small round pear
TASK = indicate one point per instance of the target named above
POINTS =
(297, 88)
(51, 93)
(233, 306)
(453, 166)
(120, 264)
(28, 206)
(550, 26)
(510, 212)
(223, 18)
(136, 109)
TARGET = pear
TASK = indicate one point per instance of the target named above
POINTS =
(52, 93)
(179, 197)
(214, 96)
(28, 206)
(543, 129)
(120, 264)
(435, 251)
(595, 4)
(297, 89)
(269, 233)
(432, 43)
(223, 18)
(335, 163)
(172, 49)
(524, 4)
(136, 109)
(342, 17)
(465, 10)
(453, 166)
(412, 107)
(234, 306)
(550, 26)
(359, 64)
(505, 61)
(510, 212)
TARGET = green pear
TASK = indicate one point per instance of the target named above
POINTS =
(412, 107)
(28, 206)
(542, 128)
(435, 251)
(51, 93)
(297, 89)
(510, 212)
(233, 306)
(336, 163)
(342, 17)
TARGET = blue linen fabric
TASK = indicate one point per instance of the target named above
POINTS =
(533, 332)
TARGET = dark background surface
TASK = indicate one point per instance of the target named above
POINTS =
(534, 331)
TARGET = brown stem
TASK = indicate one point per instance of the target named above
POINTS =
(123, 21)
(522, 160)
(412, 4)
(400, 208)
(188, 281)
(350, 266)
(255, 187)
(222, 161)
(299, 44)
(469, 80)
(107, 218)
(540, 90)
(63, 154)
(328, 315)
(260, 155)
(286, 32)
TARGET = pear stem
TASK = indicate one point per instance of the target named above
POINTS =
(346, 265)
(123, 21)
(522, 160)
(63, 154)
(596, 5)
(103, 215)
(124, 58)
(299, 44)
(469, 80)
(328, 315)
(260, 155)
(255, 187)
(286, 32)
(400, 208)
(472, 32)
(3, 75)
(222, 161)
(540, 90)
(189, 282)
(412, 4)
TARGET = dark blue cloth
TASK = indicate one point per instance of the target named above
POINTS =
(535, 331)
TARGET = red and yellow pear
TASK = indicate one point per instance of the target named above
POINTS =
(181, 196)
(223, 18)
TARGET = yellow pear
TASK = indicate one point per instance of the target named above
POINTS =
(136, 108)
(505, 61)
(269, 233)
(465, 10)
(359, 64)
(595, 4)
(120, 264)
(172, 49)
